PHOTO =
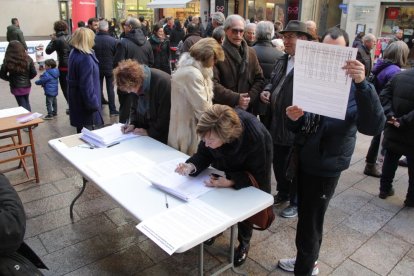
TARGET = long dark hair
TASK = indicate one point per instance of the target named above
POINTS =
(16, 58)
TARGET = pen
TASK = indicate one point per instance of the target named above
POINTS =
(114, 144)
(166, 201)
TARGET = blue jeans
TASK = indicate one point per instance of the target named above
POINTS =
(389, 167)
(23, 101)
(109, 90)
(51, 105)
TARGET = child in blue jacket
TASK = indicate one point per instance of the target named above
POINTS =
(49, 81)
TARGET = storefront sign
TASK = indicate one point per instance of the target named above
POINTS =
(364, 13)
(344, 8)
(392, 13)
(82, 10)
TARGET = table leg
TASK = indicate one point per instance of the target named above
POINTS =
(201, 260)
(32, 145)
(76, 198)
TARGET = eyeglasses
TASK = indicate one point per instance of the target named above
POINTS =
(237, 31)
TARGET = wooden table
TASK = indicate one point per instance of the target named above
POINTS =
(11, 129)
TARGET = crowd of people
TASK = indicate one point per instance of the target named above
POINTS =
(227, 102)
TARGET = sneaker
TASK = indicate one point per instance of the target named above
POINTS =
(289, 212)
(385, 194)
(114, 113)
(279, 199)
(403, 162)
(240, 255)
(372, 170)
(289, 265)
(48, 117)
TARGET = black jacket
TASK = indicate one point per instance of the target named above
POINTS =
(157, 120)
(267, 55)
(161, 52)
(397, 99)
(252, 153)
(13, 251)
(105, 46)
(19, 80)
(134, 46)
(364, 56)
(276, 124)
(329, 151)
(177, 34)
(62, 47)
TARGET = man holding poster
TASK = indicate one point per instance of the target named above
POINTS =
(323, 149)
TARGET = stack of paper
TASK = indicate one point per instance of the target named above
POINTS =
(106, 136)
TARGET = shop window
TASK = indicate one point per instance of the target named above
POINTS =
(396, 18)
(270, 10)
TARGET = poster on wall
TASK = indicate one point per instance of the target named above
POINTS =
(82, 10)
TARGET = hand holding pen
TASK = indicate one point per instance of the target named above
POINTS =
(127, 127)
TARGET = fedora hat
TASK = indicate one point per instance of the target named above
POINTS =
(297, 27)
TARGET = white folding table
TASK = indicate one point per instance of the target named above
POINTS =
(144, 201)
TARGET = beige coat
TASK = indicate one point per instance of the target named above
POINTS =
(191, 94)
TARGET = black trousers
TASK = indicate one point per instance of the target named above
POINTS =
(314, 194)
(372, 153)
(64, 83)
(284, 187)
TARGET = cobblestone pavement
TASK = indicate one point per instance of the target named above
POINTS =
(363, 234)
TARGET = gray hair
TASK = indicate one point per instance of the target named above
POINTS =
(368, 38)
(251, 26)
(218, 17)
(397, 52)
(228, 23)
(265, 30)
(133, 22)
(218, 33)
(103, 25)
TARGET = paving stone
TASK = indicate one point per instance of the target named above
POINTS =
(411, 253)
(250, 267)
(402, 225)
(76, 256)
(153, 250)
(69, 183)
(36, 245)
(339, 243)
(404, 267)
(94, 206)
(122, 236)
(37, 192)
(350, 267)
(333, 217)
(120, 217)
(348, 179)
(350, 200)
(130, 261)
(73, 233)
(48, 221)
(368, 184)
(369, 219)
(381, 253)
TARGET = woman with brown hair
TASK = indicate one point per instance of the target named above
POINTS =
(160, 48)
(18, 69)
(192, 93)
(233, 141)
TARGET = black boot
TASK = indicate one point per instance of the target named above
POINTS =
(240, 255)
(372, 170)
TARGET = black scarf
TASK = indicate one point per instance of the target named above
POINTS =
(240, 55)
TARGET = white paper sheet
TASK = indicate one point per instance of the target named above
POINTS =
(8, 112)
(178, 226)
(320, 85)
(106, 136)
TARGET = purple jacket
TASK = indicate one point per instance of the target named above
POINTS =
(384, 70)
(84, 92)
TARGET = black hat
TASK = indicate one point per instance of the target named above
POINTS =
(297, 27)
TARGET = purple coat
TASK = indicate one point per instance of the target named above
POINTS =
(84, 92)
(384, 70)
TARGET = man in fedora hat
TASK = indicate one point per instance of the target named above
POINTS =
(278, 93)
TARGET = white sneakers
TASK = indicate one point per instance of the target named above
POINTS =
(289, 265)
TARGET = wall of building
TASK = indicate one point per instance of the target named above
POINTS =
(36, 17)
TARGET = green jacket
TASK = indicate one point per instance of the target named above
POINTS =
(14, 33)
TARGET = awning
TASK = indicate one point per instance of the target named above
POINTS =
(157, 4)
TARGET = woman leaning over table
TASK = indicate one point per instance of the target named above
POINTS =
(18, 69)
(233, 141)
(84, 95)
(192, 93)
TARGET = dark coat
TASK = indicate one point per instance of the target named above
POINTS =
(189, 40)
(49, 80)
(252, 153)
(229, 82)
(19, 80)
(328, 152)
(177, 34)
(134, 46)
(14, 33)
(13, 251)
(397, 99)
(62, 47)
(384, 71)
(266, 54)
(276, 124)
(84, 90)
(157, 119)
(105, 46)
(364, 56)
(161, 52)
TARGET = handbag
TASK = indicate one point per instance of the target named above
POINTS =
(263, 219)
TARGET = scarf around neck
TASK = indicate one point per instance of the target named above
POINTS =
(239, 55)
